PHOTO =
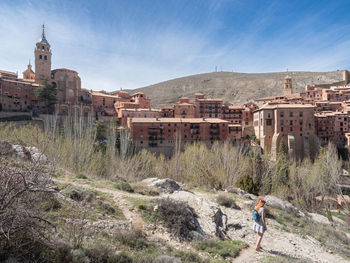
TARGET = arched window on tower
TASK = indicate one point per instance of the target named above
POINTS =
(40, 57)
(43, 48)
(45, 57)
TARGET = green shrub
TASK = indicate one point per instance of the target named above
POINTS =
(189, 257)
(246, 183)
(133, 240)
(123, 257)
(222, 248)
(51, 204)
(227, 201)
(81, 176)
(123, 186)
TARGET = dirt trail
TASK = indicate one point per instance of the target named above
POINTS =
(275, 242)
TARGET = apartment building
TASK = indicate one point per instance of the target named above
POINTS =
(292, 123)
(161, 135)
(17, 94)
(332, 127)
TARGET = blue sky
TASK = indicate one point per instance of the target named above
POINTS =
(134, 43)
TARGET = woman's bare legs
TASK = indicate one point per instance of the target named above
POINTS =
(260, 236)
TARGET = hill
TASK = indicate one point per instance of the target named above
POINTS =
(236, 88)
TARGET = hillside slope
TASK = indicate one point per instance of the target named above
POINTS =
(288, 239)
(236, 88)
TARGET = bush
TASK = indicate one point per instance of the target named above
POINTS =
(123, 186)
(51, 204)
(178, 217)
(166, 259)
(77, 194)
(189, 257)
(135, 240)
(227, 201)
(222, 248)
(81, 176)
(101, 252)
(25, 230)
(246, 183)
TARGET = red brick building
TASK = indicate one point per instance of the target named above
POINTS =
(161, 134)
(17, 94)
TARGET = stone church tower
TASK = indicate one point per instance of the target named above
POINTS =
(42, 55)
(287, 90)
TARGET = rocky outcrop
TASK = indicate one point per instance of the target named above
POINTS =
(275, 202)
(29, 153)
(163, 185)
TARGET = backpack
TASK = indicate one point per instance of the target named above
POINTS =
(256, 216)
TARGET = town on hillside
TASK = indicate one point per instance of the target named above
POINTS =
(320, 113)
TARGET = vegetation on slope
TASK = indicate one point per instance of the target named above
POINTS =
(68, 229)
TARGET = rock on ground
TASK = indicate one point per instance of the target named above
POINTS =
(275, 202)
(163, 185)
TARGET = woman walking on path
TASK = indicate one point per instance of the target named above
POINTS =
(259, 225)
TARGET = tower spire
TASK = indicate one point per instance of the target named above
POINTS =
(43, 37)
(43, 33)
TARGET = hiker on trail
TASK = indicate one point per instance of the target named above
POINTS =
(259, 225)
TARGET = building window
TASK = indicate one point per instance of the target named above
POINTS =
(301, 122)
(290, 122)
(281, 122)
(291, 114)
(45, 57)
(300, 114)
(141, 142)
(269, 122)
(281, 129)
(40, 57)
(291, 128)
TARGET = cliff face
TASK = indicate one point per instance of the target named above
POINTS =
(236, 88)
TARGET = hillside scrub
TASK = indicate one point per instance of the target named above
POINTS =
(82, 147)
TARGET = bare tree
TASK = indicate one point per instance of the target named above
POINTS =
(23, 188)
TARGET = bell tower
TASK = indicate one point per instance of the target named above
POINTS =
(42, 55)
(287, 89)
